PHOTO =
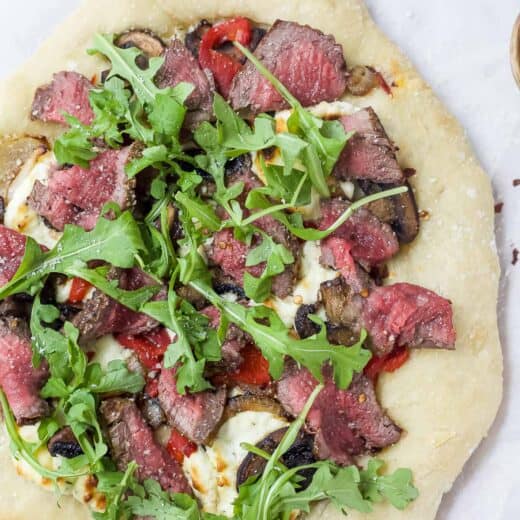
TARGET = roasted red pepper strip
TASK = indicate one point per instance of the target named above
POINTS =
(222, 66)
(388, 363)
(78, 290)
(254, 370)
(149, 347)
(179, 446)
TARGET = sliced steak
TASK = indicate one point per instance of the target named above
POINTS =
(131, 439)
(369, 154)
(21, 381)
(309, 63)
(346, 423)
(403, 314)
(236, 339)
(180, 66)
(194, 415)
(362, 238)
(68, 92)
(76, 195)
(102, 315)
(64, 444)
(12, 249)
(230, 254)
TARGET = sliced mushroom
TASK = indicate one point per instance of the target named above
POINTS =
(361, 80)
(151, 45)
(64, 444)
(251, 403)
(342, 306)
(299, 454)
(15, 152)
(304, 326)
(400, 211)
(406, 224)
(341, 335)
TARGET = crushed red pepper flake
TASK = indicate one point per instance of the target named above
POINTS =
(424, 215)
(498, 207)
(515, 256)
(516, 182)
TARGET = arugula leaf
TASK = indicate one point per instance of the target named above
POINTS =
(128, 104)
(124, 65)
(276, 257)
(117, 242)
(397, 488)
(275, 341)
(75, 383)
(256, 199)
(149, 500)
(202, 211)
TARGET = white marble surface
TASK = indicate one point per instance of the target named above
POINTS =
(461, 47)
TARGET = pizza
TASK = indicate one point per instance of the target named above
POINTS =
(247, 270)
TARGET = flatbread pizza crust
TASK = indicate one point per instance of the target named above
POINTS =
(445, 401)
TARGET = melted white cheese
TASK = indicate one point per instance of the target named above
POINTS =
(308, 287)
(213, 470)
(107, 349)
(18, 214)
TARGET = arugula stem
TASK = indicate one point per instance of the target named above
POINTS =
(314, 234)
(282, 89)
(299, 189)
(261, 453)
(285, 444)
(264, 212)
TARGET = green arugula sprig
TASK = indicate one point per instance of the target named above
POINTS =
(195, 342)
(275, 341)
(325, 139)
(276, 493)
(138, 109)
(75, 384)
(294, 223)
